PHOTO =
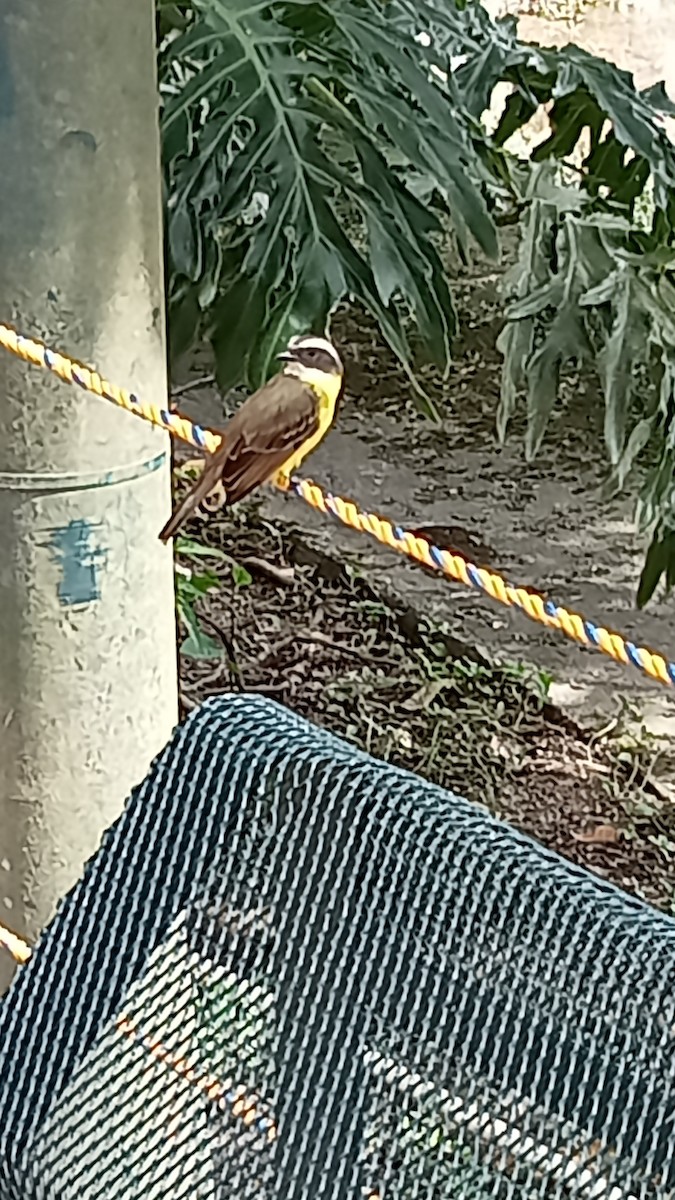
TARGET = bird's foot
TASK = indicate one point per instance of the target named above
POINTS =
(281, 481)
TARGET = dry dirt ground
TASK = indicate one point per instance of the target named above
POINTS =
(573, 749)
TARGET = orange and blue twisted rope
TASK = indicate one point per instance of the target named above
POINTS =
(546, 612)
(90, 381)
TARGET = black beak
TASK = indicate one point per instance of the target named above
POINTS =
(285, 356)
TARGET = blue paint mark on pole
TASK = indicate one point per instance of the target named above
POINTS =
(74, 548)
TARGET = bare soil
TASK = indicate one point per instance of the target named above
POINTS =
(566, 745)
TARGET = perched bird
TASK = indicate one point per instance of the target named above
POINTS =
(275, 428)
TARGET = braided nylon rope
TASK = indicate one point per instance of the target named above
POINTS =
(292, 972)
(538, 608)
(90, 381)
(546, 612)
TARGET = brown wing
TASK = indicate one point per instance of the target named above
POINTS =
(261, 436)
(264, 432)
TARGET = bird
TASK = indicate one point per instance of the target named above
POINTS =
(274, 429)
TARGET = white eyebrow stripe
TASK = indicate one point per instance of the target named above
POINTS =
(309, 342)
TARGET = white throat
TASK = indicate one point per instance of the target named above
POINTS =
(293, 368)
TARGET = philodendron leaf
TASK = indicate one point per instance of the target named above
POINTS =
(660, 561)
(317, 151)
(623, 349)
(271, 224)
(565, 340)
(532, 270)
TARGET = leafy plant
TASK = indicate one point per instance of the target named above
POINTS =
(580, 292)
(315, 151)
(595, 274)
(596, 267)
(191, 586)
(284, 126)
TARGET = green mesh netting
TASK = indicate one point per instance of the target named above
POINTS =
(294, 972)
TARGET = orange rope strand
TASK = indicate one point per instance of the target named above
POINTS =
(19, 950)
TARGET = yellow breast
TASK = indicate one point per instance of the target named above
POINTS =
(326, 388)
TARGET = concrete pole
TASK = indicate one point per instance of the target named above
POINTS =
(87, 634)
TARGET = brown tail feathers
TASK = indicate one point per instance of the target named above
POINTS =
(205, 484)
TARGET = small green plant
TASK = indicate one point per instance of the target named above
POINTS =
(504, 679)
(507, 679)
(192, 585)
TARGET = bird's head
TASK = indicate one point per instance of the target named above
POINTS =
(309, 354)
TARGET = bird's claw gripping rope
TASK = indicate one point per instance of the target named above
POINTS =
(546, 612)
